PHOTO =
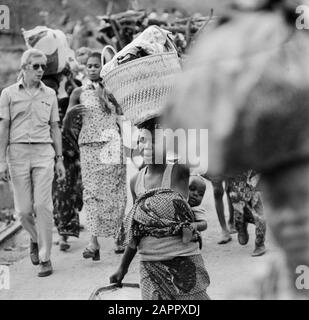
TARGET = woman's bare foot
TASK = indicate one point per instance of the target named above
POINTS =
(225, 238)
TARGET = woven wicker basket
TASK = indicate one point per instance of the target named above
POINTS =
(142, 86)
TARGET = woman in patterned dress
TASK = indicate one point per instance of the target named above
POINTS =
(103, 171)
(67, 194)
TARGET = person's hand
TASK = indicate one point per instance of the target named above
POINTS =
(60, 170)
(75, 111)
(70, 76)
(187, 234)
(71, 153)
(67, 70)
(118, 277)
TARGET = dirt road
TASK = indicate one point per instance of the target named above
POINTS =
(229, 266)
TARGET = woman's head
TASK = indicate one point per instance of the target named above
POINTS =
(68, 87)
(94, 66)
(82, 55)
(151, 142)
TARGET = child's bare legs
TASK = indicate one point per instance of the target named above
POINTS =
(218, 195)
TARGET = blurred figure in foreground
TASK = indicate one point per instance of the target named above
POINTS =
(249, 87)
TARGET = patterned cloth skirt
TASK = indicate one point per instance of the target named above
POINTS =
(67, 194)
(182, 278)
(105, 192)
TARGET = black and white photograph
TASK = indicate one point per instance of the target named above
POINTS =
(154, 150)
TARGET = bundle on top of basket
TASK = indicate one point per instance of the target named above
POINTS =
(54, 44)
(141, 76)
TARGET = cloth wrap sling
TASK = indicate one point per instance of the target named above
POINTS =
(159, 213)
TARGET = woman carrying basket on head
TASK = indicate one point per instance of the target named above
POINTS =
(103, 171)
(162, 227)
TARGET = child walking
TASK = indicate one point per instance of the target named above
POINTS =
(248, 208)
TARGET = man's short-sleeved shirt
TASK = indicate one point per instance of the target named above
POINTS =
(30, 115)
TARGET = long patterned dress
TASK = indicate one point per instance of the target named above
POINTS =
(67, 194)
(103, 171)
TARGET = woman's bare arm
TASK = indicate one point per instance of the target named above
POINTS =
(132, 187)
(74, 104)
(74, 98)
(199, 225)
